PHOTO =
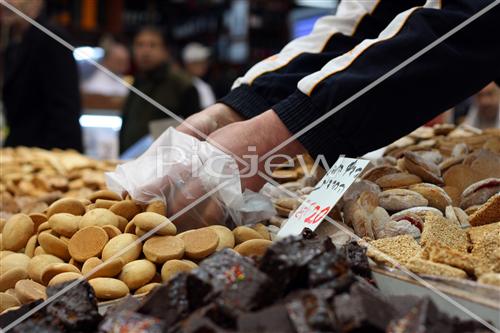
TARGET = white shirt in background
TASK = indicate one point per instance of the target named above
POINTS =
(101, 84)
(205, 92)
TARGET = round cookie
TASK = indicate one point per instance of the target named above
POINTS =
(39, 263)
(53, 245)
(29, 291)
(9, 278)
(111, 230)
(147, 288)
(17, 231)
(109, 268)
(200, 243)
(108, 288)
(173, 267)
(137, 273)
(104, 194)
(98, 217)
(226, 236)
(88, 242)
(119, 244)
(8, 301)
(66, 205)
(159, 249)
(253, 247)
(64, 277)
(242, 234)
(29, 249)
(56, 269)
(125, 208)
(150, 220)
(64, 223)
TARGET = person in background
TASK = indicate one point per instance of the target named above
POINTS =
(158, 79)
(485, 109)
(196, 61)
(41, 94)
(117, 60)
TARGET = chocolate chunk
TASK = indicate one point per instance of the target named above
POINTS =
(128, 321)
(173, 302)
(330, 270)
(268, 320)
(363, 309)
(238, 282)
(128, 303)
(286, 261)
(424, 314)
(214, 317)
(356, 257)
(310, 311)
(9, 316)
(76, 308)
(40, 322)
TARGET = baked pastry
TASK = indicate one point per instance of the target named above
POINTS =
(400, 248)
(487, 213)
(476, 234)
(439, 231)
(410, 217)
(490, 278)
(399, 199)
(479, 192)
(426, 170)
(396, 180)
(422, 266)
(435, 195)
(451, 257)
(375, 173)
(457, 216)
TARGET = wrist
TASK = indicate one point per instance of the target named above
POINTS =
(224, 115)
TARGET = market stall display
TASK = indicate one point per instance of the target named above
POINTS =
(299, 285)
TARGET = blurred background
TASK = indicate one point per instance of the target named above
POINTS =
(213, 40)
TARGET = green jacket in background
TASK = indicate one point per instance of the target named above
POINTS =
(168, 86)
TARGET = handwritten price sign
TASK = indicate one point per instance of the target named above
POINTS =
(324, 197)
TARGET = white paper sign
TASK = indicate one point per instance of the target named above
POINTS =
(324, 197)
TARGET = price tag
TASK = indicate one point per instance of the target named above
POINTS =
(324, 197)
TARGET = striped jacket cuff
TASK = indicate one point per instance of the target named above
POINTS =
(245, 101)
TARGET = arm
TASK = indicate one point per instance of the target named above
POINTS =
(445, 75)
(275, 78)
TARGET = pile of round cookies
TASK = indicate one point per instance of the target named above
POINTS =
(98, 238)
(33, 178)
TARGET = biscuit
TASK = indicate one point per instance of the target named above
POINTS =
(226, 236)
(54, 269)
(137, 273)
(64, 277)
(397, 180)
(421, 266)
(201, 243)
(150, 220)
(53, 245)
(64, 223)
(103, 203)
(492, 279)
(28, 291)
(172, 267)
(39, 263)
(157, 207)
(125, 208)
(17, 231)
(262, 230)
(253, 247)
(487, 213)
(435, 195)
(452, 257)
(147, 288)
(29, 249)
(159, 249)
(9, 278)
(440, 231)
(108, 288)
(111, 230)
(242, 234)
(98, 217)
(88, 242)
(109, 268)
(104, 194)
(400, 199)
(119, 244)
(8, 301)
(66, 205)
(400, 248)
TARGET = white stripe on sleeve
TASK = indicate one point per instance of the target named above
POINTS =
(308, 83)
(349, 14)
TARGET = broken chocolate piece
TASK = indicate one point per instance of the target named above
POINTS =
(128, 321)
(357, 259)
(76, 308)
(330, 270)
(40, 322)
(286, 261)
(174, 301)
(237, 281)
(268, 320)
(310, 311)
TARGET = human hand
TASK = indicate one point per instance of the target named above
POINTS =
(209, 120)
(252, 139)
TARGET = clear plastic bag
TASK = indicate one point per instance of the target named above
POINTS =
(181, 170)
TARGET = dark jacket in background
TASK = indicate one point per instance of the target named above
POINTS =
(41, 93)
(166, 85)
